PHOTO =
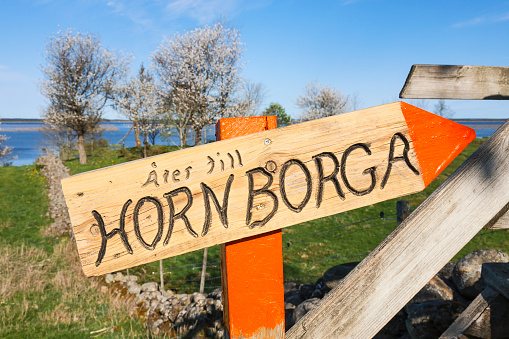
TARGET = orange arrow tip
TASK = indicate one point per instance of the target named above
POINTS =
(437, 140)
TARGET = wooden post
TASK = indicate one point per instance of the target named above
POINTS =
(252, 268)
(402, 210)
(161, 274)
(476, 194)
(456, 82)
(203, 269)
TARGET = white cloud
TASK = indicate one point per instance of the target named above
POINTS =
(483, 20)
(349, 2)
(203, 11)
(133, 10)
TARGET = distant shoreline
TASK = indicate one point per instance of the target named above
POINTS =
(42, 129)
(22, 120)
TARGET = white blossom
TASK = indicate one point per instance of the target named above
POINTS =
(199, 73)
(137, 100)
(319, 102)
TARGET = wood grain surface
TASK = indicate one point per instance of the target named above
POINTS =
(456, 82)
(154, 208)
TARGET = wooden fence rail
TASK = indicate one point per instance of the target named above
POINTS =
(476, 195)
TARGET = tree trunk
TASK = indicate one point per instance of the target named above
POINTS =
(80, 144)
(183, 141)
(197, 136)
(182, 137)
(137, 142)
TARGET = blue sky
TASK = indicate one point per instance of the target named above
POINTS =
(357, 46)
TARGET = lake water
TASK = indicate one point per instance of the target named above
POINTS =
(28, 141)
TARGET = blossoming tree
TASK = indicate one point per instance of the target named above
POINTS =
(79, 76)
(319, 102)
(199, 72)
(137, 100)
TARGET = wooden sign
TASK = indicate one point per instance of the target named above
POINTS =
(174, 203)
(457, 82)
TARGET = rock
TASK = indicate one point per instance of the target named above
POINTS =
(150, 287)
(198, 296)
(306, 290)
(333, 276)
(290, 286)
(104, 289)
(109, 278)
(492, 323)
(155, 326)
(319, 290)
(289, 322)
(317, 293)
(133, 288)
(467, 272)
(118, 276)
(395, 328)
(216, 294)
(168, 294)
(446, 271)
(129, 278)
(210, 308)
(428, 320)
(293, 300)
(435, 289)
(304, 308)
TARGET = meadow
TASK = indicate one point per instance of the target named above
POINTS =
(44, 293)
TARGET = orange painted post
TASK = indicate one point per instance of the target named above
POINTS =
(252, 268)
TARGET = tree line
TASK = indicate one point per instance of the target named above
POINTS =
(194, 79)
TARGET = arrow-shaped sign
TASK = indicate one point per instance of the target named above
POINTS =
(130, 214)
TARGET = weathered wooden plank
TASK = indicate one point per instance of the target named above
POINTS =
(496, 275)
(456, 82)
(252, 268)
(502, 223)
(417, 249)
(174, 203)
(470, 314)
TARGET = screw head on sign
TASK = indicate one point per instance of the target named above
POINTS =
(267, 141)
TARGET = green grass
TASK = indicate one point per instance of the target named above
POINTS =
(108, 156)
(310, 248)
(42, 290)
(23, 206)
